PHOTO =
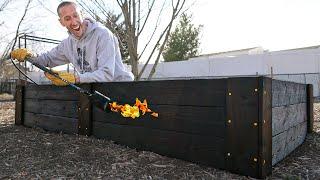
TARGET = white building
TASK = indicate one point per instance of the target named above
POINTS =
(299, 65)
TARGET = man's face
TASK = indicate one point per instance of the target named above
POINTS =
(70, 17)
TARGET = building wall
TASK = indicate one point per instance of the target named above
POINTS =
(293, 65)
(300, 66)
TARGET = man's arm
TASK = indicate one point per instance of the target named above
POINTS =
(54, 57)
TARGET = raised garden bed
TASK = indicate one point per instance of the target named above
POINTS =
(244, 125)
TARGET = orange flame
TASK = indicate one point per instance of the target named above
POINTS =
(132, 111)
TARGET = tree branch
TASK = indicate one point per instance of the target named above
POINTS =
(147, 17)
(175, 13)
(153, 33)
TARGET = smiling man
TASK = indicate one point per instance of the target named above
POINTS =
(91, 48)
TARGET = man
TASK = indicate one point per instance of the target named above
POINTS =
(90, 47)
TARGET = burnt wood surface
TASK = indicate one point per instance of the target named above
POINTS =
(264, 159)
(84, 112)
(187, 119)
(310, 100)
(52, 107)
(242, 135)
(225, 123)
(196, 148)
(19, 109)
(50, 92)
(191, 122)
(204, 92)
(51, 123)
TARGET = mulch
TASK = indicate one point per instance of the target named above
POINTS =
(31, 153)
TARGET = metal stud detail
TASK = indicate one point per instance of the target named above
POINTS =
(228, 154)
(229, 93)
(229, 121)
(255, 159)
(255, 124)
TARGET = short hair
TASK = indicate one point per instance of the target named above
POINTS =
(64, 3)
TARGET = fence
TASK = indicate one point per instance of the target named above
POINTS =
(8, 86)
(303, 78)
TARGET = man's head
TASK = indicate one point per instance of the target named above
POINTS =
(71, 18)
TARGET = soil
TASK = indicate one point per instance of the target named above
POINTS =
(29, 153)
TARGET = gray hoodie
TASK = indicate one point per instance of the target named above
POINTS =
(96, 56)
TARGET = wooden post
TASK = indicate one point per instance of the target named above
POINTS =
(19, 104)
(249, 126)
(310, 108)
(265, 127)
(85, 112)
(242, 126)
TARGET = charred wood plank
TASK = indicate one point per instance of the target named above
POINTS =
(51, 92)
(186, 119)
(203, 149)
(310, 118)
(52, 107)
(51, 123)
(19, 109)
(204, 92)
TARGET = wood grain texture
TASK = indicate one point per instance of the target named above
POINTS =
(225, 123)
(52, 107)
(186, 119)
(84, 112)
(203, 149)
(283, 144)
(285, 117)
(51, 92)
(51, 123)
(242, 136)
(19, 105)
(265, 127)
(286, 93)
(310, 100)
(210, 92)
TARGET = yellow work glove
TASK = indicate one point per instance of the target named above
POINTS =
(21, 54)
(64, 75)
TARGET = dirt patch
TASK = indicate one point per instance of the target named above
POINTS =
(33, 153)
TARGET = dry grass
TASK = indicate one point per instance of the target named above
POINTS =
(6, 97)
(27, 153)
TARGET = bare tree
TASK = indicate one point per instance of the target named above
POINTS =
(136, 16)
(12, 44)
(97, 10)
(3, 6)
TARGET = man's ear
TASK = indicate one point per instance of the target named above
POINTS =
(61, 22)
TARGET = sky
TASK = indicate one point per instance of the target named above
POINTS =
(271, 24)
(231, 24)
